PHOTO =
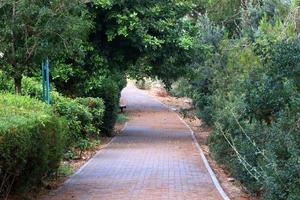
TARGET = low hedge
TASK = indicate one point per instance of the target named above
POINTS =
(78, 116)
(96, 107)
(84, 115)
(31, 141)
(109, 91)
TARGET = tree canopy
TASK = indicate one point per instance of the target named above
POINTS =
(238, 60)
(138, 38)
(30, 32)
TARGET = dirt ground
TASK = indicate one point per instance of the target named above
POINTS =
(184, 107)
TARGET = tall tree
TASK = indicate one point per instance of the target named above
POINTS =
(31, 30)
(142, 37)
(149, 37)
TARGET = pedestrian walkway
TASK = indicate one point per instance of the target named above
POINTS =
(154, 159)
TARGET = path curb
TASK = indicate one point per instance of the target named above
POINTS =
(98, 152)
(209, 169)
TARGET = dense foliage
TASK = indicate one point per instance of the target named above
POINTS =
(31, 141)
(30, 32)
(237, 60)
(138, 38)
(244, 81)
(92, 47)
(29, 129)
(84, 116)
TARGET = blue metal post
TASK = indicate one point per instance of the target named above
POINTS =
(46, 81)
(43, 80)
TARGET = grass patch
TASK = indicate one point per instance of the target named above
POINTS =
(122, 118)
(65, 169)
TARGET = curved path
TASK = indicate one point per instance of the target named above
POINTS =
(154, 159)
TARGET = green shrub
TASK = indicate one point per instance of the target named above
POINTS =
(78, 116)
(270, 88)
(256, 124)
(6, 83)
(230, 144)
(107, 89)
(84, 115)
(247, 89)
(282, 149)
(181, 88)
(263, 157)
(31, 86)
(122, 118)
(96, 108)
(31, 141)
(94, 78)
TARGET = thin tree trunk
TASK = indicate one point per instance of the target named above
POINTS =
(17, 78)
(18, 85)
(13, 37)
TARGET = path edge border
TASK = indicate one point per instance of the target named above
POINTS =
(46, 197)
(212, 174)
(206, 163)
(98, 152)
(204, 159)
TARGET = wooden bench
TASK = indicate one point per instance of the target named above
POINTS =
(122, 108)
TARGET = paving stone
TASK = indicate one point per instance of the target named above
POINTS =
(154, 159)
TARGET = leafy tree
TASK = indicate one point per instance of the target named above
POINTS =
(29, 32)
(225, 13)
(247, 88)
(139, 38)
(151, 38)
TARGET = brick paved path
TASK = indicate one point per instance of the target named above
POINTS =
(154, 159)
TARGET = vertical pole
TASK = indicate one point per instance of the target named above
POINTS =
(43, 80)
(48, 81)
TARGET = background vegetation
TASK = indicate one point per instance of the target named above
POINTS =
(237, 60)
(92, 48)
(244, 81)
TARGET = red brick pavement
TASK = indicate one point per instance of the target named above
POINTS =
(154, 159)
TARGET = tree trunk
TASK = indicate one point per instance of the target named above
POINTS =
(18, 85)
(17, 78)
